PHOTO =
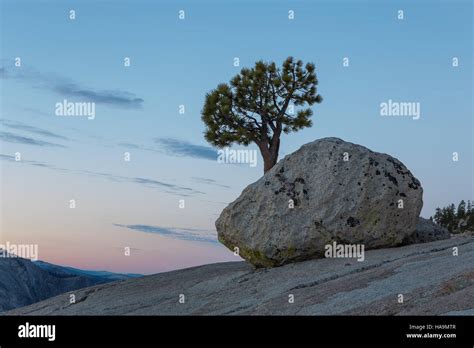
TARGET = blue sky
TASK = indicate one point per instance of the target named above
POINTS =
(175, 62)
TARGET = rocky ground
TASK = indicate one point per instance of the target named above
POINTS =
(431, 279)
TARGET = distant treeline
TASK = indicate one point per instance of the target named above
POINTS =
(455, 220)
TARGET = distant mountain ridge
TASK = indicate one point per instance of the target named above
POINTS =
(70, 271)
(24, 282)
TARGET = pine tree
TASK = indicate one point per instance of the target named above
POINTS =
(259, 104)
(450, 217)
(470, 220)
(438, 216)
(461, 212)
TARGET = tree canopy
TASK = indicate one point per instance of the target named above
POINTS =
(259, 104)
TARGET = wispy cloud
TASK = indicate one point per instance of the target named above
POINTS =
(190, 234)
(182, 190)
(207, 181)
(138, 147)
(215, 203)
(175, 147)
(112, 97)
(68, 88)
(18, 139)
(131, 146)
(32, 129)
(10, 158)
(150, 183)
(7, 157)
(35, 111)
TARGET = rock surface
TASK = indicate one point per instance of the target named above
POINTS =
(431, 279)
(427, 231)
(341, 192)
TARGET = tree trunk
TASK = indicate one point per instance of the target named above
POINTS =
(270, 155)
(268, 163)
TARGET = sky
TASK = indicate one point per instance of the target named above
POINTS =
(136, 204)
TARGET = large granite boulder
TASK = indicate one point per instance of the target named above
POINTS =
(427, 231)
(329, 190)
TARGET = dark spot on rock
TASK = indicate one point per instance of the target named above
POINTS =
(282, 170)
(397, 165)
(391, 177)
(377, 172)
(373, 162)
(414, 183)
(352, 222)
(358, 183)
(391, 204)
(267, 183)
(300, 180)
(305, 191)
(402, 194)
